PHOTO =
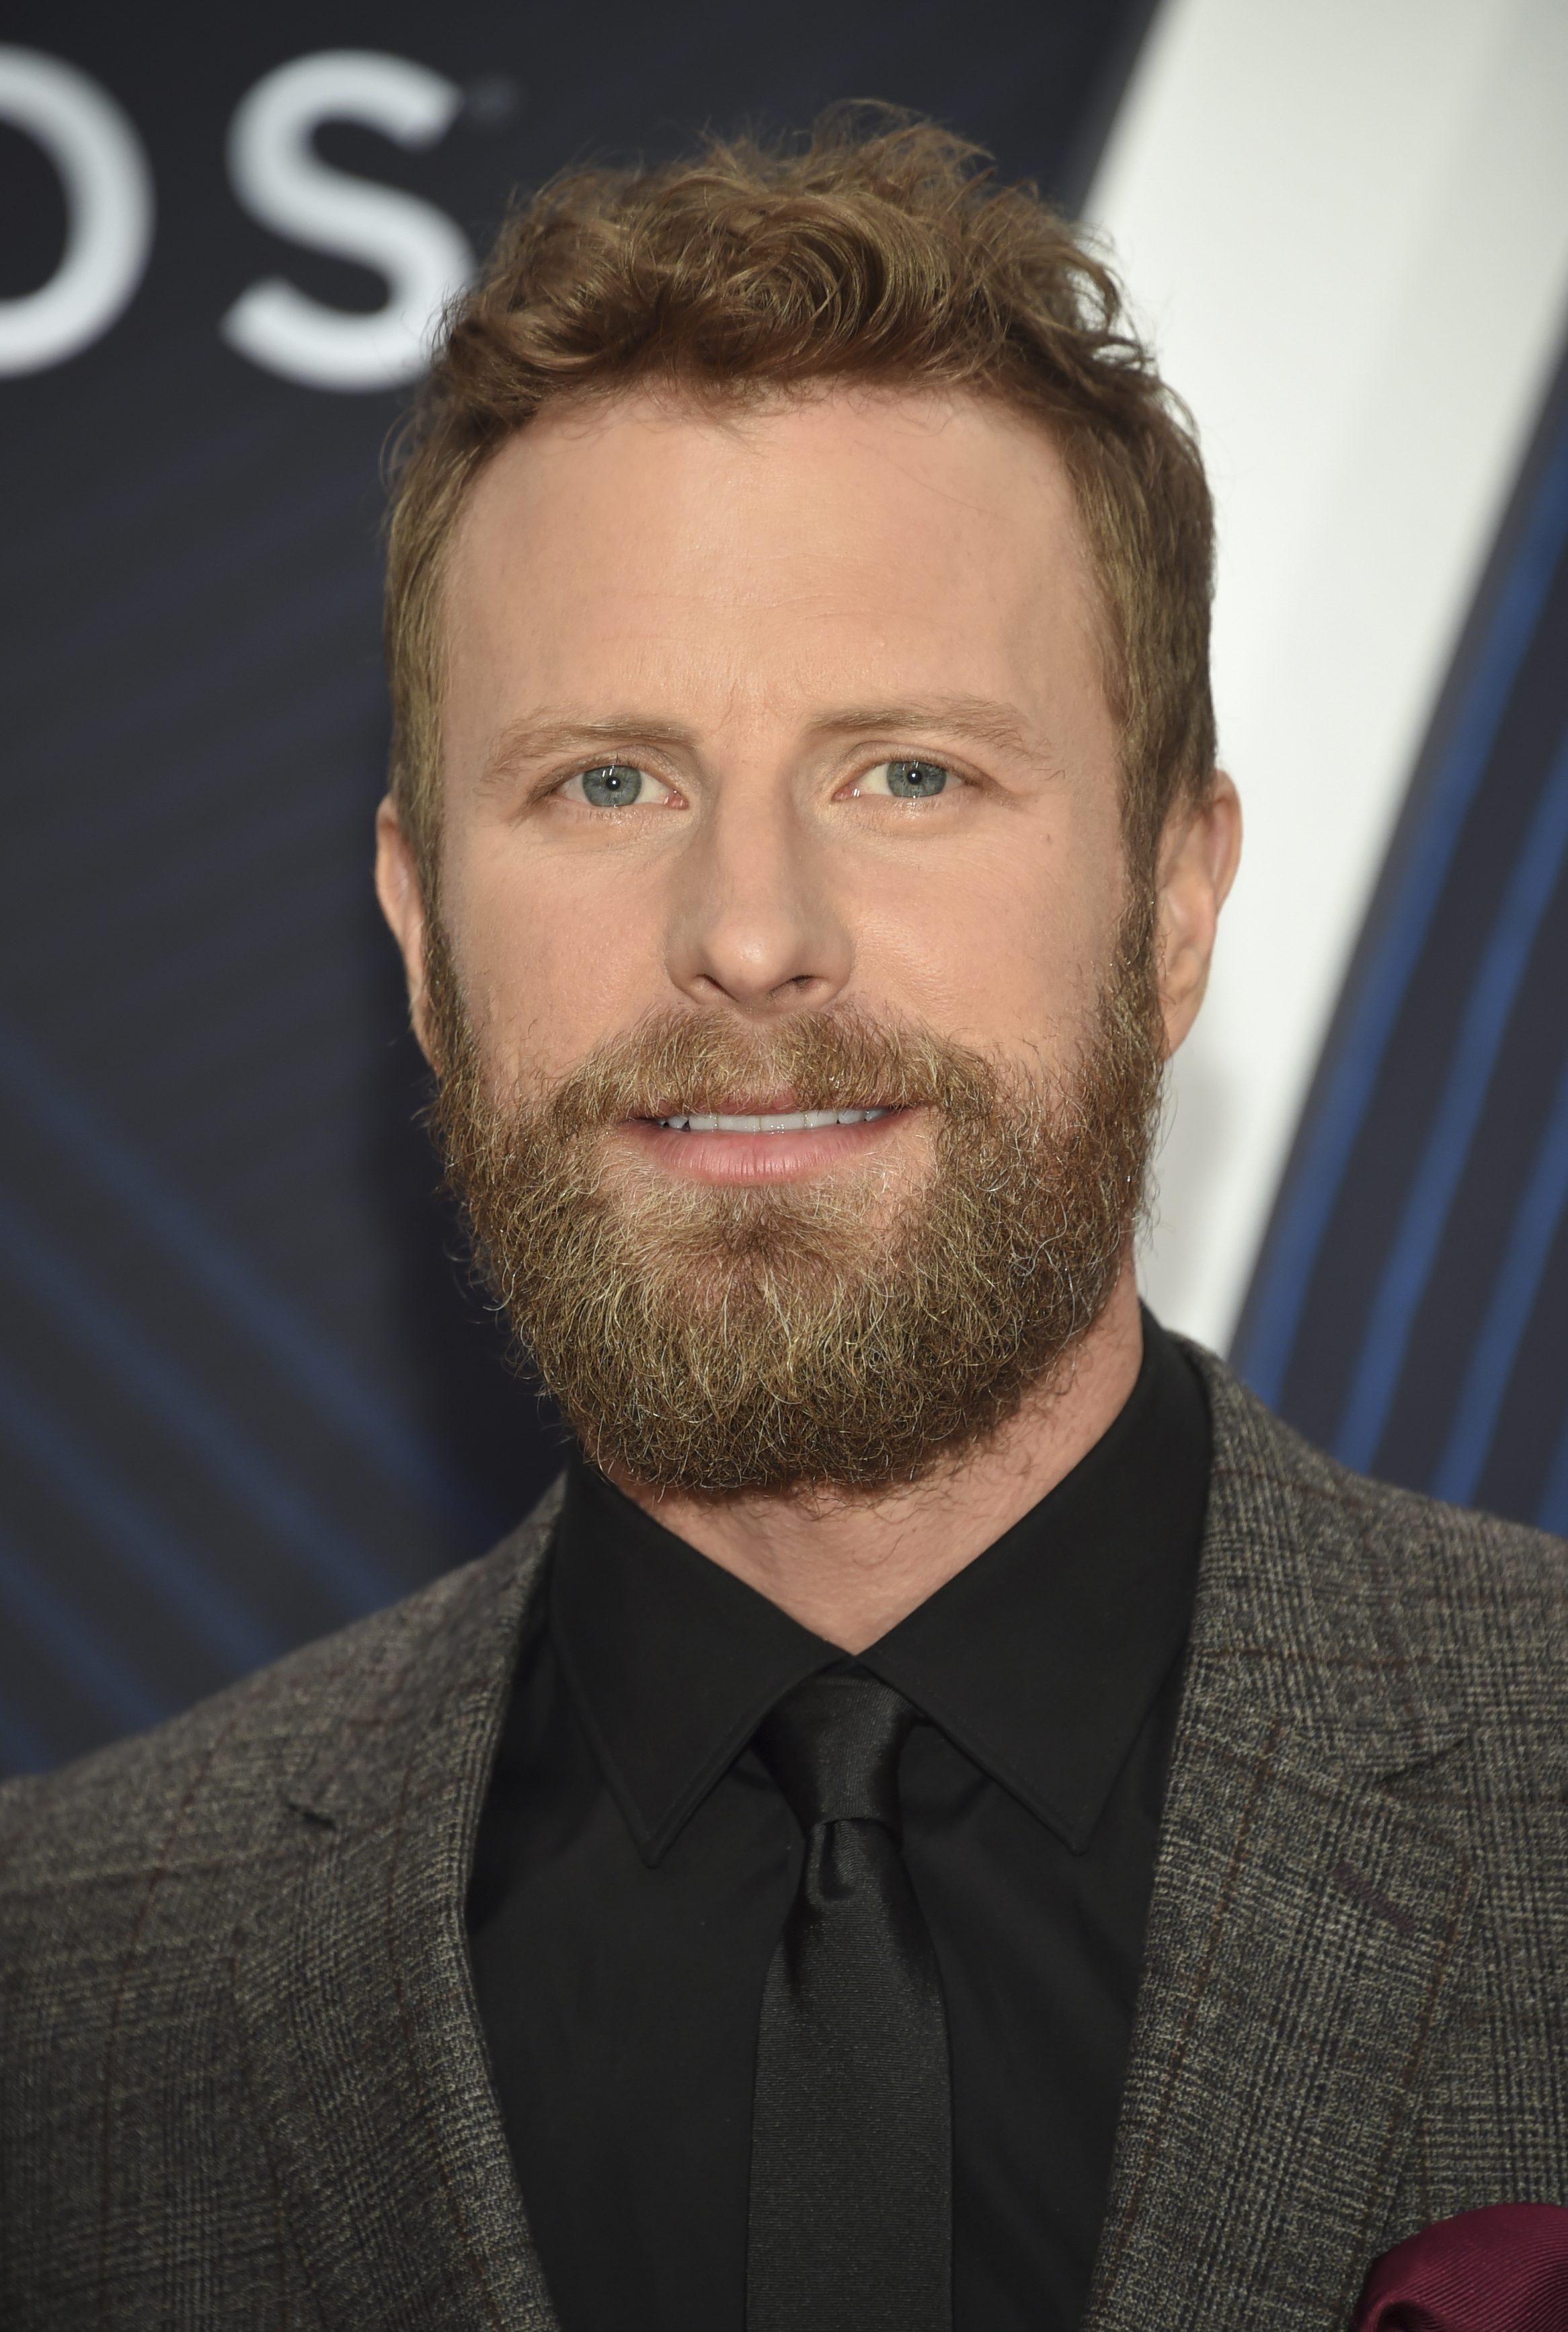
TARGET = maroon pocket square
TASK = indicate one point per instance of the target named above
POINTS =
(1501, 2270)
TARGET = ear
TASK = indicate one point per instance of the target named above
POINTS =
(402, 897)
(1199, 852)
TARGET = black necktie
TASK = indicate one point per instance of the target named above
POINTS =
(851, 2215)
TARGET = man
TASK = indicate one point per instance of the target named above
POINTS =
(950, 1816)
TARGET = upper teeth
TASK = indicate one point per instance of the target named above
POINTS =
(800, 1121)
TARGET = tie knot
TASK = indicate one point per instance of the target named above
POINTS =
(832, 1745)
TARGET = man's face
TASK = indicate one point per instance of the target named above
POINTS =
(764, 727)
(760, 614)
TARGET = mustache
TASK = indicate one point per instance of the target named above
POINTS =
(681, 1063)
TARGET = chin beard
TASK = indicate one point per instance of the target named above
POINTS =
(850, 1332)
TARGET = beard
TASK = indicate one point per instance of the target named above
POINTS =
(851, 1331)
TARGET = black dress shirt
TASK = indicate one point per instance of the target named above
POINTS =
(636, 1861)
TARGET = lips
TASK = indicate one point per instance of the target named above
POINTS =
(799, 1121)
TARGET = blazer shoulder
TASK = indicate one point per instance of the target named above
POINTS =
(217, 1773)
(1480, 1602)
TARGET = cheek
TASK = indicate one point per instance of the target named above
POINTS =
(550, 966)
(1006, 947)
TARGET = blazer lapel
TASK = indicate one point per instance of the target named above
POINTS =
(1303, 1925)
(364, 2048)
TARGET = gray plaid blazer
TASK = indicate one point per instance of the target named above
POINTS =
(243, 2082)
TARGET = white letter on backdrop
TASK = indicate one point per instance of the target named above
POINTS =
(282, 183)
(108, 190)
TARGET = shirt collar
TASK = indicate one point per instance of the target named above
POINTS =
(673, 1663)
(1040, 1659)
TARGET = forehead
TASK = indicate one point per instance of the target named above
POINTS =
(845, 540)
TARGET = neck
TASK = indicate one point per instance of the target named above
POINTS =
(849, 1566)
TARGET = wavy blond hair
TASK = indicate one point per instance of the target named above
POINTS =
(881, 250)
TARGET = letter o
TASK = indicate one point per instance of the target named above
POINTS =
(109, 209)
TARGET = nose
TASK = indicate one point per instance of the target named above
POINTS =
(755, 920)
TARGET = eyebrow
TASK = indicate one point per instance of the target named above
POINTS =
(540, 738)
(978, 717)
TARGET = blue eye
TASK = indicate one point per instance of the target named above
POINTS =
(915, 780)
(613, 787)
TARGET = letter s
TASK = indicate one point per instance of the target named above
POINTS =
(109, 209)
(281, 182)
